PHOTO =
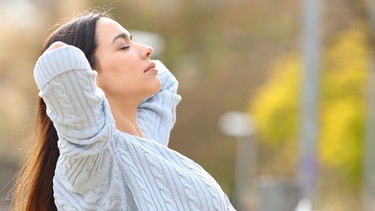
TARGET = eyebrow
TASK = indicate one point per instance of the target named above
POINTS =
(122, 35)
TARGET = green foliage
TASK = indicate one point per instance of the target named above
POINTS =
(341, 110)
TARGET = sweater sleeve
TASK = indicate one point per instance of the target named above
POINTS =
(79, 112)
(157, 114)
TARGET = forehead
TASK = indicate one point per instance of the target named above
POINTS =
(107, 29)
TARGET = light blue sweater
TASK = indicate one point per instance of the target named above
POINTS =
(101, 168)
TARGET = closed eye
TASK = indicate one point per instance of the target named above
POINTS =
(125, 47)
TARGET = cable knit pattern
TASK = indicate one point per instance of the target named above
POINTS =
(101, 168)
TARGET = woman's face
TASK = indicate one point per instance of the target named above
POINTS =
(125, 71)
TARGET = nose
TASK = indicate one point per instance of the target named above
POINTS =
(147, 52)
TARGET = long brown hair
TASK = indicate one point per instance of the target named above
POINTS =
(33, 190)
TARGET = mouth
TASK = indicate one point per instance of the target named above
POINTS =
(151, 67)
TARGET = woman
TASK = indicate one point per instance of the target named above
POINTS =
(104, 117)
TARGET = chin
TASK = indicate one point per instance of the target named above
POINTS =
(157, 86)
(154, 89)
(157, 89)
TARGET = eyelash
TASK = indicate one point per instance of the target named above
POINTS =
(125, 47)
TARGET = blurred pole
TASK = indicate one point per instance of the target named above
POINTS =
(368, 188)
(369, 145)
(239, 125)
(311, 48)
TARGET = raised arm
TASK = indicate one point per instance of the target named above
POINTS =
(79, 112)
(157, 115)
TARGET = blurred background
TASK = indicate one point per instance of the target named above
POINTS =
(277, 95)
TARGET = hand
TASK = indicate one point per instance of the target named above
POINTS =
(55, 45)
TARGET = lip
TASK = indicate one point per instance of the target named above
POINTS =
(151, 67)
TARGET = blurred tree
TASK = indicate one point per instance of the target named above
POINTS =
(276, 109)
(346, 64)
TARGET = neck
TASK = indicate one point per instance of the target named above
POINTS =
(125, 115)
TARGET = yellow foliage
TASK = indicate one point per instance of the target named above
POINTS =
(342, 114)
(339, 145)
(275, 108)
(344, 65)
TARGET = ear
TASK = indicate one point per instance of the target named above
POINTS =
(98, 77)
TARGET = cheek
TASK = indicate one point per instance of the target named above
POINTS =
(116, 82)
(111, 74)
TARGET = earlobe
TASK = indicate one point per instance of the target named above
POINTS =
(98, 79)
